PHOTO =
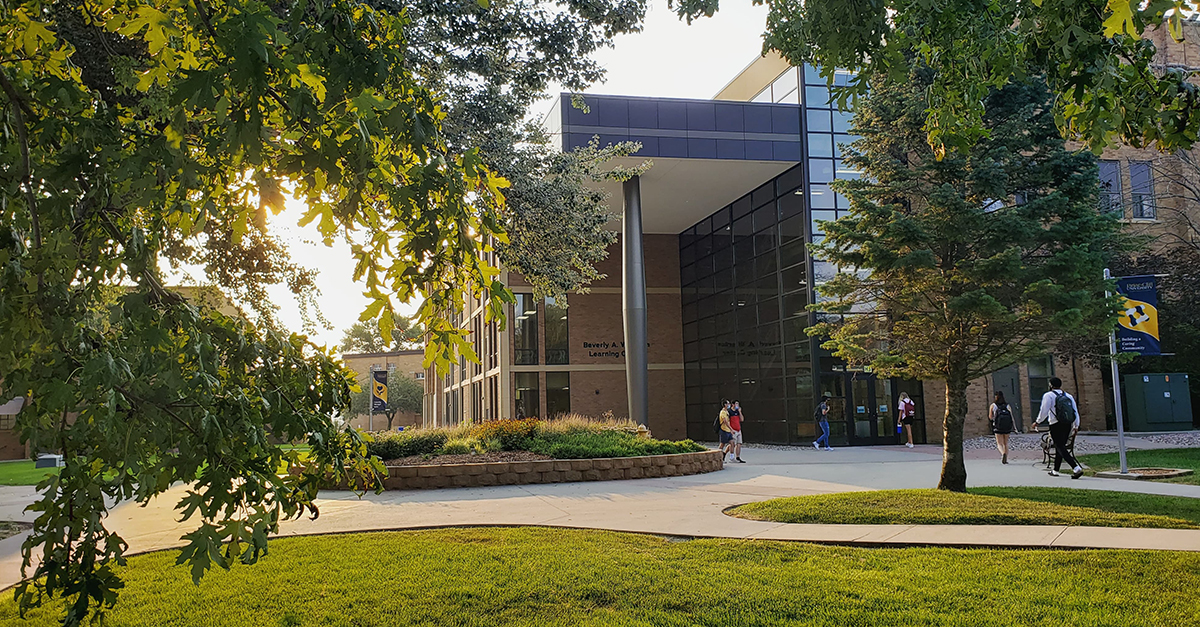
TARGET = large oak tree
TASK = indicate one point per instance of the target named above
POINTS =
(137, 133)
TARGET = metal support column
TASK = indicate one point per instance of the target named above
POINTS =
(633, 294)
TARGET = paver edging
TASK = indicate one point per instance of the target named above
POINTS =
(432, 476)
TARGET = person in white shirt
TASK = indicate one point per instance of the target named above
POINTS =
(905, 414)
(1062, 412)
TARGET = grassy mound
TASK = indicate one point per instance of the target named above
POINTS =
(546, 578)
(565, 438)
(1159, 458)
(982, 506)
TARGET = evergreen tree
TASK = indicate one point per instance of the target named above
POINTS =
(954, 268)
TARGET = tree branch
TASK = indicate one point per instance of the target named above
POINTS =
(156, 286)
(26, 174)
(202, 9)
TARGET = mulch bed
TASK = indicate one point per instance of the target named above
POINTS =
(441, 460)
(9, 529)
(1155, 472)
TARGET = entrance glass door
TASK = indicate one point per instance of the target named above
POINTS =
(872, 409)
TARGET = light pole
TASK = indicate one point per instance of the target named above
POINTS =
(371, 399)
(1116, 377)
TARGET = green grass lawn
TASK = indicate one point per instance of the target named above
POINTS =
(982, 506)
(1160, 458)
(544, 577)
(23, 473)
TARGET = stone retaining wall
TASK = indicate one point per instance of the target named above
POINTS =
(550, 471)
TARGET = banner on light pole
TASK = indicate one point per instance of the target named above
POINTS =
(1138, 330)
(379, 390)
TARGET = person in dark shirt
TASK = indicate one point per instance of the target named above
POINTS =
(822, 416)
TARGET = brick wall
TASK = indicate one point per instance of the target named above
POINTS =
(595, 392)
(551, 471)
(408, 363)
(10, 445)
(1082, 381)
(596, 345)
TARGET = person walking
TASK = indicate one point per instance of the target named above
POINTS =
(725, 431)
(905, 414)
(822, 416)
(1062, 412)
(735, 423)
(1001, 419)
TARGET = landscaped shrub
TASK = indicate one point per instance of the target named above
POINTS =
(589, 445)
(513, 435)
(574, 423)
(461, 446)
(570, 437)
(407, 443)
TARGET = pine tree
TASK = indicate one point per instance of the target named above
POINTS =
(954, 268)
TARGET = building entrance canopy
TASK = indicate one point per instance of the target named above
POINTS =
(706, 154)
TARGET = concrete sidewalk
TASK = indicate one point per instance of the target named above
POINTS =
(684, 506)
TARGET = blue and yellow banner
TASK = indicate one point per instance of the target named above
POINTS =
(379, 390)
(1138, 330)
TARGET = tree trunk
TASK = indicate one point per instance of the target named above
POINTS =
(954, 469)
(391, 415)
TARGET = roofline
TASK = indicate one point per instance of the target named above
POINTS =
(737, 76)
(414, 351)
(767, 60)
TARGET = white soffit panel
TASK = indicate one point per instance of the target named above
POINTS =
(677, 193)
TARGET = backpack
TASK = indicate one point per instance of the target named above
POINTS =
(717, 421)
(1064, 408)
(1003, 422)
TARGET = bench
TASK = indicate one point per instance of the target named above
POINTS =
(1048, 448)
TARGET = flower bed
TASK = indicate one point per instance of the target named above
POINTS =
(472, 458)
(567, 438)
(508, 452)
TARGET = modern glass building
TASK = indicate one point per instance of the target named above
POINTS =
(719, 280)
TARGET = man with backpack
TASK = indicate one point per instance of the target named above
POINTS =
(1060, 409)
(725, 431)
(821, 414)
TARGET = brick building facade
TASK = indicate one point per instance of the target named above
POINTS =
(406, 362)
(738, 187)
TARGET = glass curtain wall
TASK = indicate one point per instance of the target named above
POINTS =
(558, 393)
(827, 130)
(557, 334)
(747, 281)
(745, 287)
(525, 330)
(528, 404)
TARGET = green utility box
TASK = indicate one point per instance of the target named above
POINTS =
(1158, 402)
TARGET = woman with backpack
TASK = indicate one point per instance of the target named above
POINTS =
(1001, 418)
(906, 413)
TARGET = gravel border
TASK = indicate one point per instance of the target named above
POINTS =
(1185, 440)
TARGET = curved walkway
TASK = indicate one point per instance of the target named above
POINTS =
(680, 506)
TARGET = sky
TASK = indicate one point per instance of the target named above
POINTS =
(667, 59)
